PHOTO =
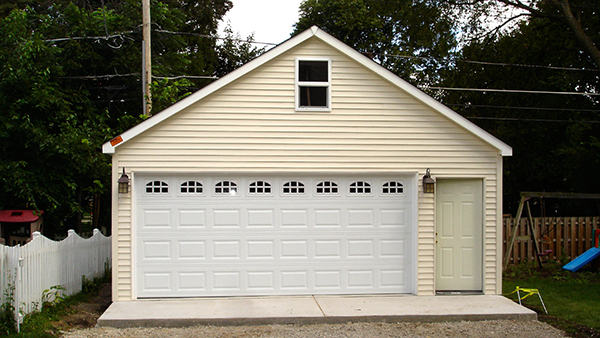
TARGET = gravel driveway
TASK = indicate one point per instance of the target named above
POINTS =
(493, 328)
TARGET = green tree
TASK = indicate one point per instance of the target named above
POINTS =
(233, 52)
(578, 17)
(554, 137)
(69, 81)
(395, 34)
(46, 136)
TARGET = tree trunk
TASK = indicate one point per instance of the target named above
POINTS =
(579, 32)
(78, 215)
(96, 210)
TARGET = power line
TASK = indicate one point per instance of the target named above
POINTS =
(97, 77)
(186, 77)
(523, 108)
(399, 56)
(212, 37)
(514, 119)
(446, 60)
(109, 76)
(488, 63)
(104, 37)
(512, 91)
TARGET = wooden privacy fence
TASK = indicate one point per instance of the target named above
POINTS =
(559, 237)
(29, 270)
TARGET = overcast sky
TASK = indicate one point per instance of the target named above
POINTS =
(270, 20)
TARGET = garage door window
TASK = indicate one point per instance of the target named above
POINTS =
(157, 187)
(360, 187)
(191, 187)
(393, 188)
(226, 188)
(293, 187)
(259, 188)
(327, 187)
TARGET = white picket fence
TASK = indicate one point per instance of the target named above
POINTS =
(29, 270)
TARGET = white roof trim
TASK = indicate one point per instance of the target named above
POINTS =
(504, 149)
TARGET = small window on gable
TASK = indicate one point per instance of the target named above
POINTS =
(293, 187)
(157, 187)
(191, 187)
(259, 188)
(360, 187)
(226, 188)
(393, 188)
(313, 85)
(327, 187)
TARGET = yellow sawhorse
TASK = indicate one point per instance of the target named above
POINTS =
(528, 292)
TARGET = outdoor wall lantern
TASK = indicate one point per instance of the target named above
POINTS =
(428, 183)
(123, 183)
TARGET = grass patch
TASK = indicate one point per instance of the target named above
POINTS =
(572, 299)
(40, 324)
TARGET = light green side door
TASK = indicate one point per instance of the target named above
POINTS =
(459, 235)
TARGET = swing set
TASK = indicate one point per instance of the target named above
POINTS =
(525, 198)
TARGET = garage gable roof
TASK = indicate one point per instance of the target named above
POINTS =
(504, 149)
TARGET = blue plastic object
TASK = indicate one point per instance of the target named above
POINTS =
(582, 260)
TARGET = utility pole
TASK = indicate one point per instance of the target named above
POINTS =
(146, 58)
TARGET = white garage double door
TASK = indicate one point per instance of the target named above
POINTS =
(252, 235)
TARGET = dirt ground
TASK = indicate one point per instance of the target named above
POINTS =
(85, 315)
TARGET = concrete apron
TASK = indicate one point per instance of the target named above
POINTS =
(310, 309)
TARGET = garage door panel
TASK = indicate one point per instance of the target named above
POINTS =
(261, 249)
(392, 278)
(191, 219)
(226, 280)
(392, 248)
(226, 249)
(191, 249)
(262, 218)
(229, 218)
(156, 250)
(327, 218)
(328, 249)
(273, 243)
(294, 249)
(329, 279)
(157, 219)
(392, 218)
(156, 281)
(191, 281)
(361, 279)
(294, 280)
(297, 218)
(261, 280)
(361, 248)
(361, 218)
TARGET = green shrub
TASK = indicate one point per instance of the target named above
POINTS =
(7, 310)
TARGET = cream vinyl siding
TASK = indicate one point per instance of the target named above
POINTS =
(251, 125)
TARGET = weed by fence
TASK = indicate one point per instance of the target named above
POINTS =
(563, 238)
(31, 273)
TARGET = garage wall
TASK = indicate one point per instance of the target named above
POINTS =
(251, 125)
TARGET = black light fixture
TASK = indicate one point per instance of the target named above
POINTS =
(428, 183)
(123, 183)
